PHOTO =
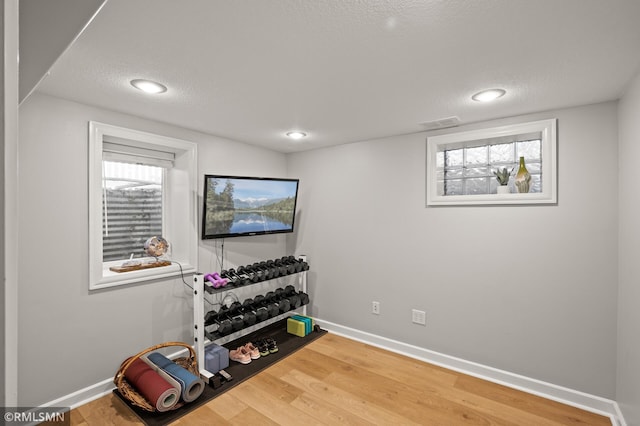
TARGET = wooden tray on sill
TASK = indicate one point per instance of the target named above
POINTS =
(140, 266)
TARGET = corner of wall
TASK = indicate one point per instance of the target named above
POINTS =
(628, 345)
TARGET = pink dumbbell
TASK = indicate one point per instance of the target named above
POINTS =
(216, 280)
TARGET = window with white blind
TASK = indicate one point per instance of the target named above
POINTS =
(131, 208)
(461, 166)
(141, 185)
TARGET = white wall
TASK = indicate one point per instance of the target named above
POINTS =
(527, 289)
(628, 383)
(69, 338)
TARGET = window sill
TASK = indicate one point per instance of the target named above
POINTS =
(113, 279)
(491, 199)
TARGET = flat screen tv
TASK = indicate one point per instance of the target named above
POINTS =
(236, 206)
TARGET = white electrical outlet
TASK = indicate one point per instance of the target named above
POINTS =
(375, 308)
(419, 317)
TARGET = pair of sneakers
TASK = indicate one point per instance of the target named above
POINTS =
(267, 346)
(244, 354)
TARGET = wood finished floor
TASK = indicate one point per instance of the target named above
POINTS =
(335, 380)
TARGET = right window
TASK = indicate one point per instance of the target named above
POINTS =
(488, 166)
(472, 170)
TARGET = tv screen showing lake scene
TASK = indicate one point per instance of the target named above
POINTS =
(239, 206)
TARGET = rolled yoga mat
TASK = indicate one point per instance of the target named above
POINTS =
(152, 386)
(192, 386)
(173, 382)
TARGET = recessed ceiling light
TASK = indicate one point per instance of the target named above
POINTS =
(148, 86)
(296, 135)
(488, 95)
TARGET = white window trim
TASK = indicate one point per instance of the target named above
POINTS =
(547, 128)
(179, 207)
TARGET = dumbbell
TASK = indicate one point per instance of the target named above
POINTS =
(283, 269)
(278, 293)
(283, 302)
(284, 263)
(259, 269)
(210, 317)
(262, 313)
(233, 308)
(295, 263)
(252, 269)
(272, 265)
(274, 272)
(234, 279)
(294, 299)
(248, 315)
(262, 268)
(289, 261)
(227, 319)
(303, 297)
(235, 316)
(300, 265)
(290, 293)
(271, 304)
(224, 324)
(225, 327)
(230, 280)
(305, 264)
(216, 280)
(252, 275)
(244, 278)
(275, 268)
(247, 275)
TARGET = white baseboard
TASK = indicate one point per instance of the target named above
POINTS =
(578, 399)
(584, 401)
(83, 396)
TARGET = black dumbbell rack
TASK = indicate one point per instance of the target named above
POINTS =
(244, 278)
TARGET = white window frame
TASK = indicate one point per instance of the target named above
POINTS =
(179, 206)
(439, 143)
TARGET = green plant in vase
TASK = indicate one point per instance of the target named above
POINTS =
(502, 176)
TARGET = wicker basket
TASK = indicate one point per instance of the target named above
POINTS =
(129, 392)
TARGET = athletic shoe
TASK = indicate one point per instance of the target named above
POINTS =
(254, 353)
(240, 355)
(273, 347)
(263, 347)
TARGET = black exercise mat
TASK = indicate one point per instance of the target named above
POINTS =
(287, 344)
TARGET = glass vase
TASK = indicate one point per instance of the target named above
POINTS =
(523, 178)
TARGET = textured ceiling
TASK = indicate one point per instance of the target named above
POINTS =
(345, 71)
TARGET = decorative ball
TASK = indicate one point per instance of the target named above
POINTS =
(156, 246)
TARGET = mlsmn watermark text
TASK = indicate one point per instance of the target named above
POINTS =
(14, 416)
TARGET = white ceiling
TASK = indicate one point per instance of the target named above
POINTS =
(347, 70)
